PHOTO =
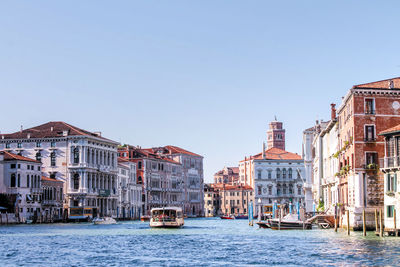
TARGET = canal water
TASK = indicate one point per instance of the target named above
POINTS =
(202, 242)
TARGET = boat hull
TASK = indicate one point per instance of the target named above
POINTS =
(176, 224)
(227, 218)
(275, 225)
(263, 224)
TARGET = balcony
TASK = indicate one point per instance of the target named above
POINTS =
(389, 163)
(370, 111)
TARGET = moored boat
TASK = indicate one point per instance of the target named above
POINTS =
(168, 217)
(264, 224)
(289, 222)
(225, 217)
(104, 220)
(242, 217)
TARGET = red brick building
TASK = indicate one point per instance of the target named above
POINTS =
(366, 110)
(228, 175)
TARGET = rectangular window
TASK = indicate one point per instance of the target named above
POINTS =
(391, 183)
(390, 211)
(369, 106)
(369, 133)
(19, 145)
(371, 158)
(38, 144)
(12, 166)
(8, 145)
(53, 144)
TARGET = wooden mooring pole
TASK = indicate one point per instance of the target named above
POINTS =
(376, 220)
(381, 223)
(335, 224)
(364, 224)
(394, 222)
(348, 222)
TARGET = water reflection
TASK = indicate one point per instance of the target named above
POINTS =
(200, 242)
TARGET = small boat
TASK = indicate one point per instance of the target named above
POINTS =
(289, 222)
(264, 224)
(145, 218)
(226, 217)
(29, 221)
(104, 220)
(168, 217)
(242, 217)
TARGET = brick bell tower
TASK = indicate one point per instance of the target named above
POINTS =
(276, 135)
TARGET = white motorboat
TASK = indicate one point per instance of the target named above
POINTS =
(168, 217)
(104, 220)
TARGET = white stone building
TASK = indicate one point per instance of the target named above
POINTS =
(21, 179)
(85, 161)
(130, 192)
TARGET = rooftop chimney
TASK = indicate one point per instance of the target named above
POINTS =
(333, 111)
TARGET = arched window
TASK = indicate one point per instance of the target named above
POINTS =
(290, 173)
(278, 173)
(278, 189)
(283, 173)
(38, 156)
(139, 179)
(112, 159)
(97, 157)
(270, 190)
(53, 159)
(76, 181)
(259, 174)
(259, 190)
(28, 181)
(269, 174)
(299, 190)
(139, 165)
(12, 182)
(284, 189)
(76, 155)
(290, 189)
(92, 156)
(19, 180)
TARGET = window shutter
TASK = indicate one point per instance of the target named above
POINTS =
(395, 183)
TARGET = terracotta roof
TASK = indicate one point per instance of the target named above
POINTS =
(383, 84)
(44, 178)
(50, 130)
(178, 150)
(147, 153)
(276, 154)
(12, 156)
(394, 129)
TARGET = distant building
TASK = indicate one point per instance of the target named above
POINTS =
(129, 191)
(276, 135)
(86, 162)
(275, 174)
(161, 178)
(52, 200)
(211, 201)
(228, 175)
(21, 180)
(235, 199)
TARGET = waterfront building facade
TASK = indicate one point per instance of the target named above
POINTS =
(235, 199)
(390, 167)
(86, 162)
(211, 201)
(52, 200)
(366, 110)
(20, 179)
(129, 191)
(161, 178)
(274, 174)
(228, 175)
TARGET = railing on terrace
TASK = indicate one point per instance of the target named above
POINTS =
(389, 162)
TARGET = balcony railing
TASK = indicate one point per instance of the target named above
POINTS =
(389, 162)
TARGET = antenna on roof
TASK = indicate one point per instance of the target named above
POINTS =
(275, 118)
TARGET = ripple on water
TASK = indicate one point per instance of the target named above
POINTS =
(202, 242)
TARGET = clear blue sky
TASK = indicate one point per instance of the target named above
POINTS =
(204, 75)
